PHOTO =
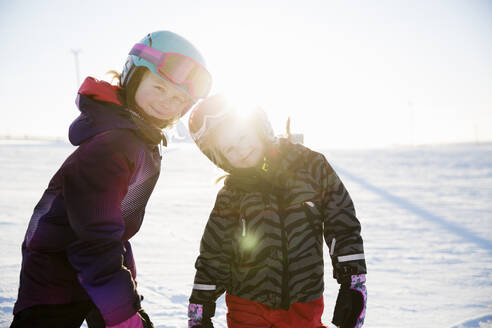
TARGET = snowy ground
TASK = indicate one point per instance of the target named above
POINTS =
(426, 215)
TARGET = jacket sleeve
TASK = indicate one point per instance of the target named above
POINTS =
(95, 183)
(213, 263)
(341, 226)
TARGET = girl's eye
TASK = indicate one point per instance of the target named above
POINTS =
(178, 100)
(160, 88)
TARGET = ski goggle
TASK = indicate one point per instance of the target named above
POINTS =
(178, 69)
(205, 117)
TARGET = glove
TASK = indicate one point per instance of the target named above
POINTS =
(138, 320)
(199, 315)
(350, 309)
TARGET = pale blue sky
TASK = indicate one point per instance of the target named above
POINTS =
(349, 73)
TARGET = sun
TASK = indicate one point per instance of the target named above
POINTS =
(251, 85)
(334, 105)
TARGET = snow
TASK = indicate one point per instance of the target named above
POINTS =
(426, 215)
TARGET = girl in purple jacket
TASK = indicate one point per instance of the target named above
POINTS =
(77, 261)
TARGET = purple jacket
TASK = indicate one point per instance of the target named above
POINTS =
(76, 246)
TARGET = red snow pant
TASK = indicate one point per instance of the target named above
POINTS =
(244, 313)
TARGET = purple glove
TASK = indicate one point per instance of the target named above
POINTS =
(199, 317)
(350, 309)
(195, 315)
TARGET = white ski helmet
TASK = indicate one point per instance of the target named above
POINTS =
(210, 113)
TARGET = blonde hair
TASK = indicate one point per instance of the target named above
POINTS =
(115, 75)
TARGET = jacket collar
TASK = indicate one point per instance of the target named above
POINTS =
(101, 110)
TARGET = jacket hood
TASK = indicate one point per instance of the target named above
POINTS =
(101, 110)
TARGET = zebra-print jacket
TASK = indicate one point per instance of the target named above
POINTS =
(264, 238)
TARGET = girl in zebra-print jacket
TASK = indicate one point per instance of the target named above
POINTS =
(263, 243)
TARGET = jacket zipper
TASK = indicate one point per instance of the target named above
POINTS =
(285, 300)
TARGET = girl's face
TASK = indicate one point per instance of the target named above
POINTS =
(240, 145)
(160, 98)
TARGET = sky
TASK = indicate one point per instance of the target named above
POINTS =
(348, 73)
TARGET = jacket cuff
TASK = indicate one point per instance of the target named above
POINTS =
(134, 321)
(343, 273)
(122, 313)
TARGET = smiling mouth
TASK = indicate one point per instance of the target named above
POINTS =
(245, 158)
(165, 112)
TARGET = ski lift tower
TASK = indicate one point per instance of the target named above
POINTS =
(75, 53)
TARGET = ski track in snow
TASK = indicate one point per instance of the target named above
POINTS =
(421, 212)
(482, 322)
(426, 222)
(428, 244)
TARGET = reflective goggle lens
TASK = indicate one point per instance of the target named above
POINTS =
(187, 73)
(178, 69)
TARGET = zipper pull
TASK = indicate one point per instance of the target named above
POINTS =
(332, 247)
(310, 204)
(244, 227)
